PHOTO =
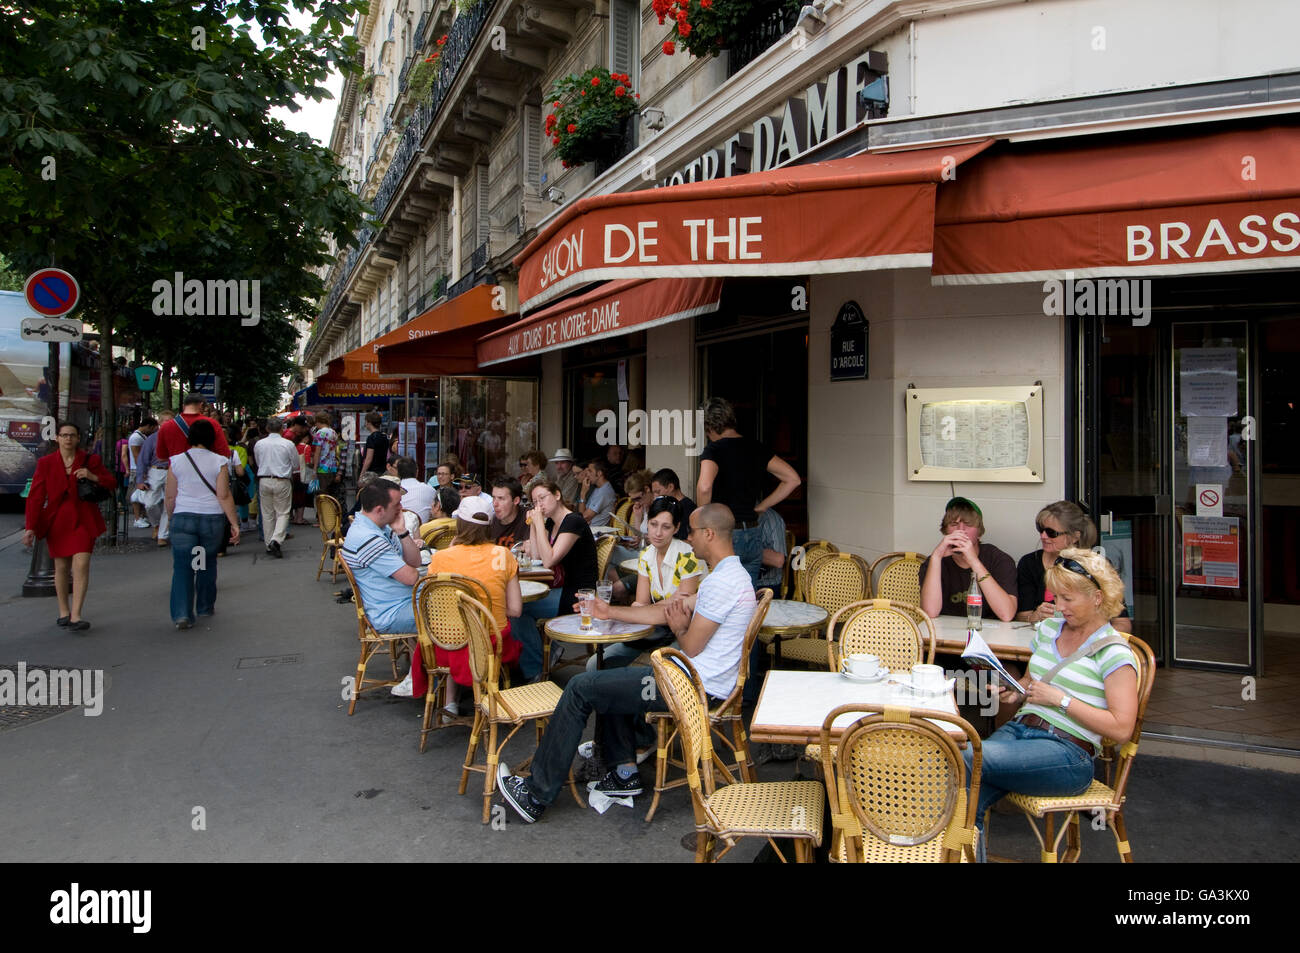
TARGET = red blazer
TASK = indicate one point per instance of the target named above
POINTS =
(52, 488)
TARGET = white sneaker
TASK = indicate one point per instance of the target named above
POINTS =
(403, 688)
(452, 708)
(141, 524)
(587, 749)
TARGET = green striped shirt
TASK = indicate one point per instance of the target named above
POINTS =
(1083, 679)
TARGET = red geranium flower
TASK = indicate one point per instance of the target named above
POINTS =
(620, 91)
(571, 128)
(705, 4)
(442, 39)
(684, 29)
(595, 81)
(556, 104)
(556, 140)
(670, 47)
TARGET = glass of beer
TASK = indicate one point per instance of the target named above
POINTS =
(585, 599)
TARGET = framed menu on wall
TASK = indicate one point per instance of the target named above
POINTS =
(981, 434)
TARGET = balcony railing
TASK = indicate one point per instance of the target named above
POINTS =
(403, 73)
(460, 42)
(769, 26)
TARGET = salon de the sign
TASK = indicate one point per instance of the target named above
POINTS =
(821, 112)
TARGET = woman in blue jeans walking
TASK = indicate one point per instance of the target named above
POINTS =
(199, 505)
(1081, 686)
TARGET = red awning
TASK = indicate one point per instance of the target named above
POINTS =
(1174, 204)
(361, 365)
(614, 308)
(864, 212)
(441, 354)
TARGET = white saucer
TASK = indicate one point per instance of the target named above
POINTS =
(881, 675)
(904, 679)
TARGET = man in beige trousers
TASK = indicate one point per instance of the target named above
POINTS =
(277, 462)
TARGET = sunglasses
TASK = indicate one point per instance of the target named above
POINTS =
(1051, 533)
(1075, 567)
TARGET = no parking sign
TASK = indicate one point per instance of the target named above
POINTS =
(51, 292)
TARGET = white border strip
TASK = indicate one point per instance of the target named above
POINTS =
(729, 269)
(1111, 271)
(614, 332)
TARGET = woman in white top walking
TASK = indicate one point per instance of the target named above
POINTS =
(200, 505)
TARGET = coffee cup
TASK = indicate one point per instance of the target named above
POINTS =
(862, 665)
(927, 678)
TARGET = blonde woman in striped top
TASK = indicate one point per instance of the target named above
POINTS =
(1048, 749)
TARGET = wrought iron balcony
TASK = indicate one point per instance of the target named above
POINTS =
(403, 73)
(772, 20)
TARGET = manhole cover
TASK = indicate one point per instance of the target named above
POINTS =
(262, 661)
(15, 715)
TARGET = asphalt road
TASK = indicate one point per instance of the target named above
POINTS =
(199, 727)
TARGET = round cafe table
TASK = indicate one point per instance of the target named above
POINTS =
(532, 590)
(787, 619)
(630, 565)
(568, 628)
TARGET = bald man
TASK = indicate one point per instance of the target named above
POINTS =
(710, 628)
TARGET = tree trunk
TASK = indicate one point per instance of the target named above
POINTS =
(108, 401)
(167, 378)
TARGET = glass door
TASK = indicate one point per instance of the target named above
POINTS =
(1213, 499)
(1125, 416)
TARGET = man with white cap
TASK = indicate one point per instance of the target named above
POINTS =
(565, 478)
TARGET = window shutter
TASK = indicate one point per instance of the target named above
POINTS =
(484, 224)
(624, 32)
(530, 150)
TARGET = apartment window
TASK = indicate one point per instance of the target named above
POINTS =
(624, 39)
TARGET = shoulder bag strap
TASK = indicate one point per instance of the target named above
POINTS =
(200, 473)
(1088, 648)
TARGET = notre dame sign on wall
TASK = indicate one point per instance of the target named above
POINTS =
(849, 344)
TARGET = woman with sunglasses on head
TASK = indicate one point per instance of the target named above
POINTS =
(1061, 525)
(1081, 687)
(69, 525)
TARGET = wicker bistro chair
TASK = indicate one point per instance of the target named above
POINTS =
(896, 783)
(329, 514)
(373, 642)
(623, 510)
(884, 628)
(723, 717)
(439, 538)
(604, 548)
(899, 577)
(785, 569)
(834, 581)
(1101, 798)
(495, 706)
(786, 809)
(801, 564)
(439, 624)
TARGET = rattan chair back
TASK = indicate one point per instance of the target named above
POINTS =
(897, 576)
(802, 561)
(680, 687)
(604, 548)
(437, 612)
(440, 538)
(751, 636)
(623, 510)
(1118, 755)
(877, 627)
(785, 568)
(837, 580)
(896, 780)
(364, 628)
(329, 513)
(484, 648)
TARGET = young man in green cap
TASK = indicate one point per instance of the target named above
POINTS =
(946, 575)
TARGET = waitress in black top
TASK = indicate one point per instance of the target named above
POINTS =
(562, 540)
(1061, 525)
(732, 471)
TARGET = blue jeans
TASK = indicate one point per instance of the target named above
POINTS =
(195, 590)
(1024, 760)
(748, 544)
(621, 696)
(524, 629)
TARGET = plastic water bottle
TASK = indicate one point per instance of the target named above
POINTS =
(974, 606)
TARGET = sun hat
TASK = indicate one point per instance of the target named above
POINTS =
(562, 455)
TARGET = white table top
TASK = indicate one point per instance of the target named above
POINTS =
(568, 628)
(786, 612)
(531, 589)
(629, 565)
(793, 705)
(1006, 639)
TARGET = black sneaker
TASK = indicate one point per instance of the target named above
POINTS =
(275, 550)
(590, 771)
(519, 795)
(614, 786)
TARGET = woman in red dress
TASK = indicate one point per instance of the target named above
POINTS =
(67, 523)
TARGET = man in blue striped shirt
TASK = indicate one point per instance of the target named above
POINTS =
(385, 563)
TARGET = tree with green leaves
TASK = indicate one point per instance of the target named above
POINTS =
(137, 142)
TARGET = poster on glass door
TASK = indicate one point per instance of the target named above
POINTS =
(1211, 552)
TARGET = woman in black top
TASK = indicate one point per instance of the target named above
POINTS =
(562, 540)
(1061, 525)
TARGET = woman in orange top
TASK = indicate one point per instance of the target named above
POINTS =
(68, 524)
(472, 553)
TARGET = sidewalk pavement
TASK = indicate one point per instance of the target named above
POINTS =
(231, 741)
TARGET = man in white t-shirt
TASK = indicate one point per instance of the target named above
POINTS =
(418, 497)
(135, 443)
(710, 628)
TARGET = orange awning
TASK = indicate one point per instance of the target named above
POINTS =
(854, 214)
(1182, 203)
(442, 354)
(361, 365)
(614, 308)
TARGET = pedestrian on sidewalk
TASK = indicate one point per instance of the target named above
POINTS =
(200, 504)
(135, 444)
(277, 461)
(70, 525)
(151, 481)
